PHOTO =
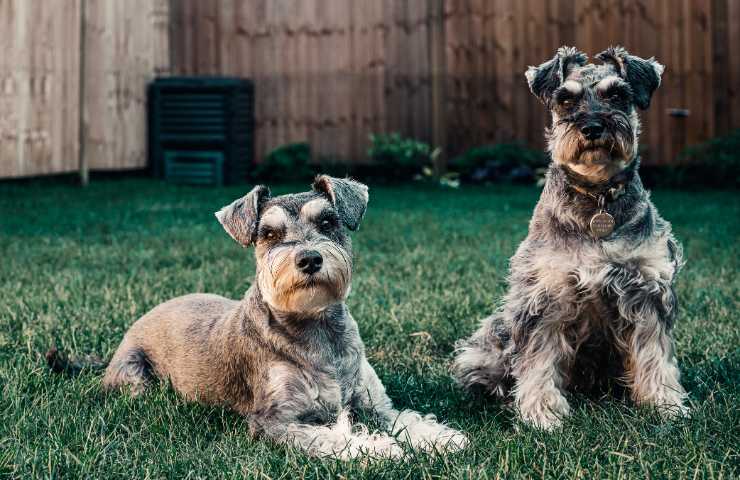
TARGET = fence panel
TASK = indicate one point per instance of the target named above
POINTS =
(126, 44)
(39, 86)
(330, 72)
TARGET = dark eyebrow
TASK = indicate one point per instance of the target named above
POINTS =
(271, 226)
(327, 212)
(563, 92)
(622, 88)
(620, 85)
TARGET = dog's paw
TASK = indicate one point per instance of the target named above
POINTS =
(546, 413)
(452, 440)
(674, 411)
(376, 446)
(428, 435)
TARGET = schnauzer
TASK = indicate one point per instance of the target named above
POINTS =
(591, 287)
(288, 356)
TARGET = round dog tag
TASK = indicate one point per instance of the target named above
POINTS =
(602, 224)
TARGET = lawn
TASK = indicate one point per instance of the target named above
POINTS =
(80, 265)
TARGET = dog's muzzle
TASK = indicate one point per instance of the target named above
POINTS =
(309, 261)
(593, 130)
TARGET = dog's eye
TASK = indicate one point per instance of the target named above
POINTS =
(327, 222)
(269, 234)
(615, 95)
(568, 103)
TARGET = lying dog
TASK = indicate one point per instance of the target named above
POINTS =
(591, 287)
(288, 356)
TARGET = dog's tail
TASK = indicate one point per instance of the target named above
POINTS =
(60, 362)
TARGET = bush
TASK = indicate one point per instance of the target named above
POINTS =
(286, 163)
(512, 162)
(713, 163)
(401, 157)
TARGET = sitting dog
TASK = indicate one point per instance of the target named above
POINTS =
(288, 356)
(591, 287)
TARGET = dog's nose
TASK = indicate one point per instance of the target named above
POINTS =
(592, 131)
(309, 261)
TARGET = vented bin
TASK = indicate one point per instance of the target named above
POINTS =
(201, 129)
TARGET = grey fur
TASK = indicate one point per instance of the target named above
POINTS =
(239, 218)
(543, 80)
(580, 310)
(348, 197)
(288, 356)
(642, 75)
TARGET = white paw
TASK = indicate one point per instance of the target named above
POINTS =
(668, 402)
(346, 441)
(425, 433)
(673, 411)
(452, 440)
(378, 446)
(546, 413)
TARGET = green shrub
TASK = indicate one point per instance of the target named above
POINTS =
(406, 156)
(499, 162)
(286, 163)
(716, 162)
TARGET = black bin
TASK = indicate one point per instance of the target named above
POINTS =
(201, 129)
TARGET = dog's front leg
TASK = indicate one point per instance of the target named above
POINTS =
(420, 431)
(652, 370)
(538, 392)
(294, 409)
(648, 307)
(339, 440)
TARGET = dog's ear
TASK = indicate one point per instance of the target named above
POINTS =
(240, 218)
(546, 78)
(642, 75)
(348, 197)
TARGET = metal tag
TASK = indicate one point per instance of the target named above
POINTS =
(602, 224)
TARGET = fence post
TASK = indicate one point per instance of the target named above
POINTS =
(84, 166)
(438, 64)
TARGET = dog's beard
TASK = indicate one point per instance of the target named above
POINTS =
(597, 160)
(288, 290)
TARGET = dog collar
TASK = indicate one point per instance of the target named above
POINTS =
(612, 188)
(602, 222)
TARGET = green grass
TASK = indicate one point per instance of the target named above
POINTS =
(80, 265)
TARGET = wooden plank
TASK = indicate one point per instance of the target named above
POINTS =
(438, 67)
(84, 165)
(520, 61)
(506, 75)
(460, 87)
(734, 63)
(654, 121)
(538, 51)
(478, 84)
(38, 87)
(372, 40)
(676, 82)
(390, 103)
(700, 95)
(721, 66)
(418, 112)
(125, 46)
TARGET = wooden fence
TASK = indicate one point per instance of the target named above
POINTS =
(39, 90)
(331, 72)
(73, 76)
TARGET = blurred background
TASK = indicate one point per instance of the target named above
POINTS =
(333, 79)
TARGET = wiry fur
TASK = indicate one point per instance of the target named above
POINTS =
(288, 355)
(581, 310)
